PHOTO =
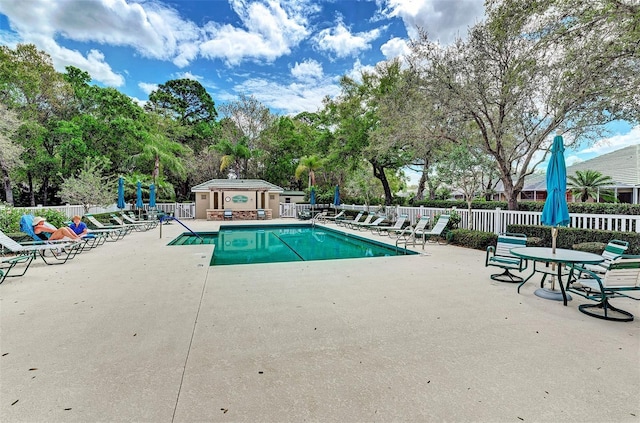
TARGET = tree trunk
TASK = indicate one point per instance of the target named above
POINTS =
(32, 196)
(421, 185)
(378, 172)
(7, 186)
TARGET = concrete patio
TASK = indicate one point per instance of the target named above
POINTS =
(138, 331)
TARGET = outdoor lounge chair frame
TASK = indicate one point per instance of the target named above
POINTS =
(395, 229)
(137, 226)
(436, 232)
(61, 251)
(500, 256)
(11, 263)
(112, 232)
(345, 222)
(622, 277)
(409, 233)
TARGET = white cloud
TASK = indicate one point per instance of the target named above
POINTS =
(443, 20)
(341, 42)
(94, 62)
(357, 69)
(269, 32)
(308, 70)
(292, 98)
(571, 160)
(395, 47)
(147, 88)
(615, 142)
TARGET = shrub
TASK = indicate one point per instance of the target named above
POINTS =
(10, 218)
(472, 239)
(593, 208)
(590, 247)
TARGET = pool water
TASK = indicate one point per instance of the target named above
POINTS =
(284, 243)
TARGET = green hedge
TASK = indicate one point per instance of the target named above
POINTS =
(472, 239)
(567, 237)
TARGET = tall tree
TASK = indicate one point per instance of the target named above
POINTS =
(516, 89)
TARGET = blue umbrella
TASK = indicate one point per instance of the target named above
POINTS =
(336, 196)
(139, 203)
(555, 212)
(121, 204)
(152, 195)
(312, 196)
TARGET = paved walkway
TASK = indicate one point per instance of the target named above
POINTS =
(138, 331)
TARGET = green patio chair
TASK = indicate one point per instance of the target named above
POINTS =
(435, 232)
(621, 278)
(391, 230)
(500, 256)
(345, 222)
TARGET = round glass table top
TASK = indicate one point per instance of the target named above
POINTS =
(561, 255)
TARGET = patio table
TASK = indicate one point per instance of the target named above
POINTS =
(560, 256)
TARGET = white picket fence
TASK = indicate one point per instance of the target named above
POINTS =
(178, 210)
(496, 220)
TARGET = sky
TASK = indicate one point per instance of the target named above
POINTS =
(288, 54)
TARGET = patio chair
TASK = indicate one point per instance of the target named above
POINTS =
(345, 222)
(500, 256)
(435, 232)
(8, 264)
(622, 277)
(260, 214)
(614, 250)
(335, 218)
(151, 221)
(409, 233)
(228, 214)
(389, 230)
(366, 221)
(113, 232)
(137, 226)
(368, 225)
(61, 251)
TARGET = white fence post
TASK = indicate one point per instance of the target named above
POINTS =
(497, 221)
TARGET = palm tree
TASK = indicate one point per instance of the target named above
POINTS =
(309, 164)
(233, 156)
(590, 184)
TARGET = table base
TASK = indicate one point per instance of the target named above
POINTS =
(550, 294)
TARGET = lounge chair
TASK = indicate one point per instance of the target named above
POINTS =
(345, 222)
(150, 222)
(8, 264)
(435, 232)
(137, 226)
(61, 251)
(228, 214)
(395, 229)
(260, 214)
(409, 233)
(622, 276)
(366, 220)
(334, 218)
(368, 225)
(500, 256)
(113, 232)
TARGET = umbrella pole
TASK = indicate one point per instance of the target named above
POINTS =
(554, 238)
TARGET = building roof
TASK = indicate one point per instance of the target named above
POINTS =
(623, 166)
(247, 184)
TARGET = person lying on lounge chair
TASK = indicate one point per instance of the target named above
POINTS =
(40, 229)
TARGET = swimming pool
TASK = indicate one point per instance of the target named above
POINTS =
(284, 243)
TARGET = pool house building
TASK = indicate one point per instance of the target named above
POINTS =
(239, 199)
